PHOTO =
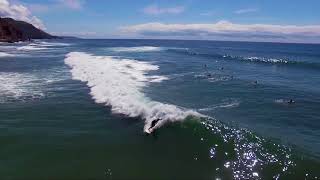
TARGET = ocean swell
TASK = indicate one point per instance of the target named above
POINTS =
(118, 83)
(136, 49)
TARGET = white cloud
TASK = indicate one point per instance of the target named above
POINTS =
(19, 12)
(245, 11)
(156, 10)
(228, 30)
(56, 5)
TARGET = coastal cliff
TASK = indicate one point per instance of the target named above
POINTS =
(14, 31)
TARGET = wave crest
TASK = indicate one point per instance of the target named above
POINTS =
(119, 83)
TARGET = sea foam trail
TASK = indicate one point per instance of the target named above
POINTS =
(119, 83)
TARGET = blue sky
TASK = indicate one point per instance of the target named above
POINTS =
(261, 20)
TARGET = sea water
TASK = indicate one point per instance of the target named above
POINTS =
(78, 109)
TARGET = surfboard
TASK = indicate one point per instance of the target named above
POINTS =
(149, 131)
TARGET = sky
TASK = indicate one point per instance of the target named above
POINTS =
(232, 20)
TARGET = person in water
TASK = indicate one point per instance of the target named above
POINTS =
(290, 101)
(154, 123)
(206, 69)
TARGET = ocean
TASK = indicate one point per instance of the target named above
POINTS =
(79, 109)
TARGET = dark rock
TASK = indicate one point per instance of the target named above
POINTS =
(13, 31)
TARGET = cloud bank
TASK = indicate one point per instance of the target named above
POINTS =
(225, 30)
(19, 12)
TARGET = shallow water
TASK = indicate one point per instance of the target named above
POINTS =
(77, 109)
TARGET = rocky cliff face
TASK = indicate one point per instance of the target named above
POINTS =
(13, 31)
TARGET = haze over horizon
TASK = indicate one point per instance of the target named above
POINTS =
(275, 21)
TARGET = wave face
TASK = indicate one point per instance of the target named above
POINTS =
(119, 82)
(137, 49)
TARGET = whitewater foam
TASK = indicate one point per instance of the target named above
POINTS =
(19, 86)
(118, 83)
(41, 45)
(258, 59)
(3, 54)
(266, 60)
(31, 47)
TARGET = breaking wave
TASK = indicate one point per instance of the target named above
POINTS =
(119, 83)
(41, 45)
(253, 59)
(261, 59)
(3, 54)
(31, 47)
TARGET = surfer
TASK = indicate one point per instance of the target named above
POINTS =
(153, 124)
(291, 101)
(255, 83)
(208, 74)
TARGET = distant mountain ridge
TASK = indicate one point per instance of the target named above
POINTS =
(12, 31)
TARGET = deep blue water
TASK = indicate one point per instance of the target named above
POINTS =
(77, 109)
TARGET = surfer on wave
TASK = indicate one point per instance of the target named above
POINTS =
(153, 124)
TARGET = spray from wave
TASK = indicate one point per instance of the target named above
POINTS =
(119, 83)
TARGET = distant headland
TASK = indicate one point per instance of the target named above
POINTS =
(13, 31)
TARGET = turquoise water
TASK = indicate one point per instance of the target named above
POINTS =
(77, 109)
